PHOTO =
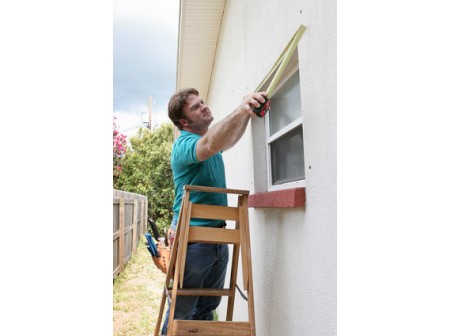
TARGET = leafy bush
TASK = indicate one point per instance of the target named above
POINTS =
(146, 170)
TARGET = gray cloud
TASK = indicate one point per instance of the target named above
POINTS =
(144, 58)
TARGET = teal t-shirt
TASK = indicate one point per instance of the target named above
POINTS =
(188, 170)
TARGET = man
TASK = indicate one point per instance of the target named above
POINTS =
(197, 160)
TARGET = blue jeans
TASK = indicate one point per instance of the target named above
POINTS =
(206, 267)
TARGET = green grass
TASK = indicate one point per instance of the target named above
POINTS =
(137, 294)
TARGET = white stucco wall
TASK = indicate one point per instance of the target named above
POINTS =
(293, 250)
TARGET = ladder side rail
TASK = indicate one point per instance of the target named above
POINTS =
(185, 226)
(174, 249)
(169, 274)
(161, 313)
(233, 278)
(181, 242)
(174, 292)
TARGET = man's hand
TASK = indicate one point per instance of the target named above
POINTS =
(253, 100)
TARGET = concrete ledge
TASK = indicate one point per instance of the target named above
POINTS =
(287, 198)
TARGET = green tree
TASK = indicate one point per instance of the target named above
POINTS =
(146, 170)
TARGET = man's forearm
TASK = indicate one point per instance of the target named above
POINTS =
(227, 132)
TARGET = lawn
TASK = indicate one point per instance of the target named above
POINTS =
(136, 295)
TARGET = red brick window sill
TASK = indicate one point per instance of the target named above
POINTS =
(287, 198)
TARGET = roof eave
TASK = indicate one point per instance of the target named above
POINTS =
(198, 35)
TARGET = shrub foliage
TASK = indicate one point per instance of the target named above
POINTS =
(146, 170)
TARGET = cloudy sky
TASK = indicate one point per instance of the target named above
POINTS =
(145, 51)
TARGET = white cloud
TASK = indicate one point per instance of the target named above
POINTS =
(156, 11)
(129, 123)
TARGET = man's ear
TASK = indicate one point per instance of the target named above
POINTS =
(183, 122)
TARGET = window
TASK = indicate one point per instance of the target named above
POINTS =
(284, 135)
(279, 165)
(281, 132)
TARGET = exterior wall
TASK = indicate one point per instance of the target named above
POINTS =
(293, 250)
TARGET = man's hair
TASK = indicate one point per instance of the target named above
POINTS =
(176, 104)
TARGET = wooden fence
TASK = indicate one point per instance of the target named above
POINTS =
(129, 222)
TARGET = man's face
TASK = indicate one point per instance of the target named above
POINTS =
(197, 114)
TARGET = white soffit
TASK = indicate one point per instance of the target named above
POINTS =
(199, 28)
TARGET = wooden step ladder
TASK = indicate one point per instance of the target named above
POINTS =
(239, 237)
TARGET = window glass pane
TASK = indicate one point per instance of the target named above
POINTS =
(286, 155)
(285, 104)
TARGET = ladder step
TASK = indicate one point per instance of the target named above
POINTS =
(216, 190)
(202, 234)
(207, 328)
(214, 212)
(203, 292)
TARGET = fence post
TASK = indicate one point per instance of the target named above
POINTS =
(121, 232)
(146, 213)
(143, 223)
(134, 242)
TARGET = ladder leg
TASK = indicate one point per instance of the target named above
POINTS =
(233, 277)
(173, 300)
(169, 274)
(184, 239)
(161, 313)
(181, 243)
(170, 271)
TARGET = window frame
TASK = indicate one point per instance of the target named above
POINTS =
(286, 129)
